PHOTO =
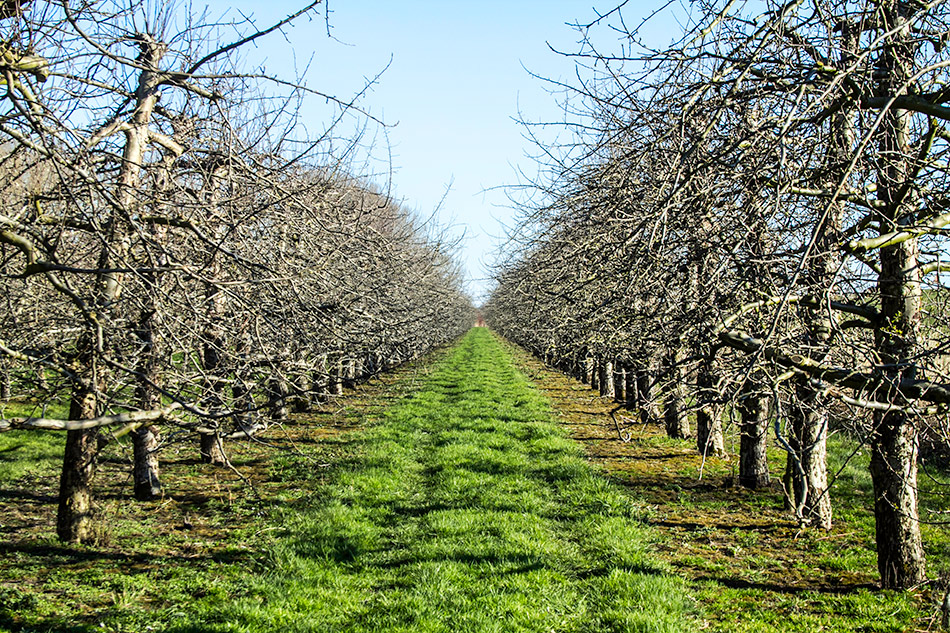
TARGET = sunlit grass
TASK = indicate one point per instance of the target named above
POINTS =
(29, 453)
(465, 510)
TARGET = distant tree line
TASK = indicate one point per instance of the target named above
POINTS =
(178, 260)
(750, 230)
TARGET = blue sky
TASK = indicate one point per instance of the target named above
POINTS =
(455, 83)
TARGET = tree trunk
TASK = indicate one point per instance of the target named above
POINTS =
(348, 372)
(618, 380)
(645, 395)
(753, 407)
(145, 472)
(335, 380)
(595, 374)
(894, 438)
(145, 439)
(279, 394)
(302, 388)
(807, 469)
(674, 411)
(243, 401)
(211, 449)
(709, 436)
(900, 554)
(146, 484)
(74, 516)
(321, 381)
(606, 378)
(630, 388)
(6, 382)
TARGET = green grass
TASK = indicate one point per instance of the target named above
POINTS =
(751, 568)
(812, 580)
(462, 508)
(458, 506)
(466, 509)
(29, 453)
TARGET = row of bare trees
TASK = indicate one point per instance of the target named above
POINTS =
(178, 259)
(750, 228)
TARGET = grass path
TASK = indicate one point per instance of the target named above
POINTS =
(465, 510)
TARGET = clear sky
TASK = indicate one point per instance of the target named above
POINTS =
(456, 80)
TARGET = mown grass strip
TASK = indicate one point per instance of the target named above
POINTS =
(465, 509)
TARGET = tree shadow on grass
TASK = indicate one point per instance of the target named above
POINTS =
(19, 494)
(789, 589)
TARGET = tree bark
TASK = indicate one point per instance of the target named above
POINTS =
(302, 388)
(6, 382)
(74, 520)
(709, 436)
(645, 394)
(211, 449)
(348, 373)
(807, 470)
(145, 470)
(209, 445)
(279, 393)
(753, 407)
(146, 483)
(242, 396)
(335, 378)
(674, 411)
(618, 381)
(606, 377)
(321, 381)
(630, 388)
